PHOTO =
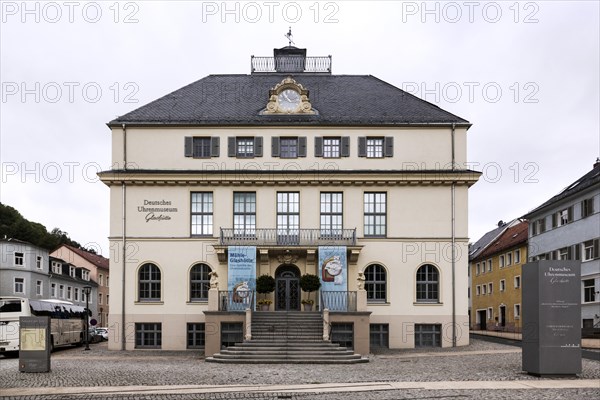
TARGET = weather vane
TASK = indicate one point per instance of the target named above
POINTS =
(289, 36)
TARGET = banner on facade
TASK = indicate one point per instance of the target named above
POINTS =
(241, 277)
(333, 272)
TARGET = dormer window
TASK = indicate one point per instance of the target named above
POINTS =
(85, 275)
(56, 267)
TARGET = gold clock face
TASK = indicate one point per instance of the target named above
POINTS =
(289, 100)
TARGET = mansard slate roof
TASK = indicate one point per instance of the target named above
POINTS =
(588, 180)
(237, 100)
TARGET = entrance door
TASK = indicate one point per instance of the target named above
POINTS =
(502, 316)
(482, 317)
(287, 288)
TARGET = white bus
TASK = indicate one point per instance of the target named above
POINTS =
(67, 321)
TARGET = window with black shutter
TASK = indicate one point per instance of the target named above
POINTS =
(201, 146)
(376, 147)
(244, 147)
(288, 147)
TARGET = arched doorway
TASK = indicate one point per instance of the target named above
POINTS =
(287, 288)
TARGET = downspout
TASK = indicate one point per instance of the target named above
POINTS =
(453, 223)
(124, 257)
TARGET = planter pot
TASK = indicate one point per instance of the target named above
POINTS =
(308, 307)
(264, 307)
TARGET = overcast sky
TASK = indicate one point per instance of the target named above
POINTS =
(526, 75)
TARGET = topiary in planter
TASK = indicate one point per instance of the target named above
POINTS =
(309, 283)
(265, 284)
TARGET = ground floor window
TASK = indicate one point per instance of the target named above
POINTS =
(588, 323)
(195, 335)
(231, 333)
(379, 336)
(148, 335)
(342, 333)
(428, 335)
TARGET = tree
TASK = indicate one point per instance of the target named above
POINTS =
(265, 284)
(309, 283)
(14, 225)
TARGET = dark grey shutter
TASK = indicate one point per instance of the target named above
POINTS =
(258, 146)
(318, 146)
(543, 226)
(302, 146)
(389, 146)
(577, 251)
(189, 146)
(362, 146)
(215, 146)
(231, 146)
(570, 214)
(275, 146)
(596, 248)
(569, 253)
(345, 150)
(554, 220)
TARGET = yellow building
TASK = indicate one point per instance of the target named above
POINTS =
(496, 281)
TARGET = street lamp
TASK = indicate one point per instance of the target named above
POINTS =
(87, 290)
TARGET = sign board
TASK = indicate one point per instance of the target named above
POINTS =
(551, 312)
(333, 272)
(34, 344)
(241, 277)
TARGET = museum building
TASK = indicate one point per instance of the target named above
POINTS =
(290, 170)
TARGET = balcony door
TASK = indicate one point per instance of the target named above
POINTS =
(287, 288)
(288, 218)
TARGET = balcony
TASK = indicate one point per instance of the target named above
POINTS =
(293, 237)
(291, 64)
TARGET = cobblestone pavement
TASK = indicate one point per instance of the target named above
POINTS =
(480, 361)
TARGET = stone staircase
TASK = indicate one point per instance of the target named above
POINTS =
(287, 337)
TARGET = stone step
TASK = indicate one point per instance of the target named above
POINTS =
(291, 320)
(287, 337)
(286, 361)
(276, 351)
(280, 325)
(282, 356)
(283, 332)
(285, 342)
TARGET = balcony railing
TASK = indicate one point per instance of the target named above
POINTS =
(292, 237)
(235, 301)
(338, 301)
(291, 64)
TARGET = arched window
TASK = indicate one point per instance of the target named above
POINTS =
(149, 282)
(376, 283)
(199, 282)
(428, 282)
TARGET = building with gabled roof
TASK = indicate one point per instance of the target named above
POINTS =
(289, 171)
(27, 270)
(496, 280)
(567, 227)
(98, 267)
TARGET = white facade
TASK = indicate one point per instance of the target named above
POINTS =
(400, 188)
(418, 222)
